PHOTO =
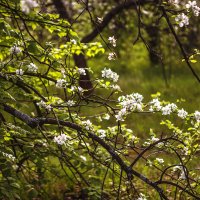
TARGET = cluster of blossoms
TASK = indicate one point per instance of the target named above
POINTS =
(10, 156)
(15, 50)
(61, 139)
(102, 133)
(87, 124)
(112, 41)
(182, 113)
(168, 109)
(197, 116)
(111, 56)
(42, 104)
(61, 83)
(28, 5)
(82, 71)
(32, 67)
(70, 103)
(182, 19)
(155, 105)
(132, 102)
(109, 74)
(19, 72)
(193, 6)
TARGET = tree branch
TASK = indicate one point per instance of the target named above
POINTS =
(110, 15)
(179, 44)
(35, 122)
(61, 9)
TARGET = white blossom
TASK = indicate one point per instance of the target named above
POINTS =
(106, 116)
(28, 5)
(182, 175)
(10, 156)
(61, 83)
(132, 102)
(83, 158)
(193, 6)
(44, 105)
(61, 139)
(154, 139)
(19, 72)
(168, 109)
(87, 124)
(111, 56)
(160, 160)
(32, 67)
(73, 41)
(116, 87)
(99, 20)
(102, 133)
(155, 105)
(82, 71)
(63, 73)
(172, 106)
(79, 89)
(112, 41)
(186, 151)
(108, 73)
(197, 116)
(15, 50)
(121, 114)
(182, 113)
(70, 103)
(182, 20)
(142, 197)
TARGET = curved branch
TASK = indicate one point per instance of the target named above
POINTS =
(35, 122)
(179, 44)
(110, 15)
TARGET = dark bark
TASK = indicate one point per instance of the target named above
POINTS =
(153, 32)
(84, 80)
